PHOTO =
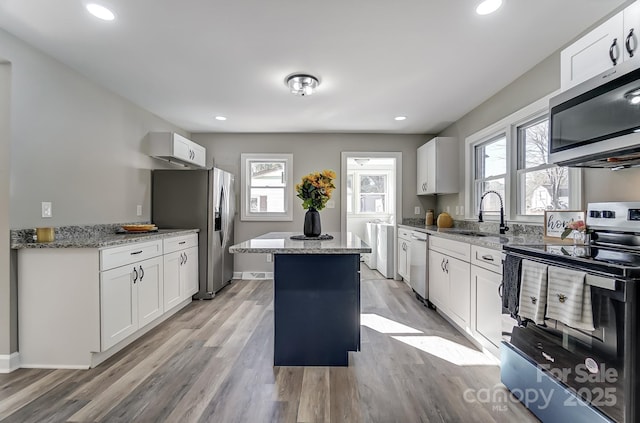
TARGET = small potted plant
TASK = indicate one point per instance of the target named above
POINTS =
(314, 191)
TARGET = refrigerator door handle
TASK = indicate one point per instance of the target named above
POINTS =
(223, 234)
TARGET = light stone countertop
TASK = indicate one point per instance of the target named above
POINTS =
(280, 243)
(102, 240)
(489, 239)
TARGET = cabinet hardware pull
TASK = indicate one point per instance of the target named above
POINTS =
(186, 257)
(135, 277)
(627, 43)
(141, 273)
(487, 257)
(182, 242)
(614, 59)
(500, 290)
(446, 266)
(442, 264)
(181, 259)
(136, 252)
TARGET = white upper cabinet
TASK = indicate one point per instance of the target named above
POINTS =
(175, 148)
(437, 167)
(610, 44)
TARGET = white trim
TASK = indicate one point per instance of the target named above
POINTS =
(237, 275)
(509, 126)
(9, 363)
(287, 215)
(257, 275)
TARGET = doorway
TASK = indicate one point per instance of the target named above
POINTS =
(371, 199)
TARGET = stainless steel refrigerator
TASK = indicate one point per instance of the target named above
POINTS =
(202, 199)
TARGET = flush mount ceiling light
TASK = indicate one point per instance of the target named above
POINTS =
(301, 84)
(221, 118)
(361, 162)
(100, 12)
(488, 6)
(400, 118)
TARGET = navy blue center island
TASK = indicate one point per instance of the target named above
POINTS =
(316, 296)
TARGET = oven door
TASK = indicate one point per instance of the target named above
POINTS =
(591, 364)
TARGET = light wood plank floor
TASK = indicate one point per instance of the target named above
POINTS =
(213, 362)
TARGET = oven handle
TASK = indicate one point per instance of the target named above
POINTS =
(564, 266)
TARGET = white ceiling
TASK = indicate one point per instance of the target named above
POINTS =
(187, 61)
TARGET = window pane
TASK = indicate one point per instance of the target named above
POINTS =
(267, 174)
(533, 144)
(373, 183)
(266, 200)
(546, 189)
(491, 203)
(491, 158)
(373, 203)
(350, 193)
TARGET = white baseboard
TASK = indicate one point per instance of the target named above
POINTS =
(237, 275)
(257, 275)
(9, 363)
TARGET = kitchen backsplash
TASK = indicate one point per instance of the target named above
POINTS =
(515, 229)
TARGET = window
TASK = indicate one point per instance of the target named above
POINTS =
(511, 158)
(267, 189)
(491, 172)
(541, 186)
(370, 194)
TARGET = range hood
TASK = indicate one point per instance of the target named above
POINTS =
(176, 149)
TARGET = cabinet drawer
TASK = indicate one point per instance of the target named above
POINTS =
(487, 258)
(119, 256)
(177, 243)
(457, 249)
(404, 233)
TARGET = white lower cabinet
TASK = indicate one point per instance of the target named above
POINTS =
(180, 269)
(459, 273)
(487, 306)
(130, 298)
(438, 281)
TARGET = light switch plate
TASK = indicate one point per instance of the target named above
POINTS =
(139, 210)
(47, 210)
(416, 210)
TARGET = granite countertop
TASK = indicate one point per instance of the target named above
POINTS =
(280, 243)
(101, 239)
(488, 239)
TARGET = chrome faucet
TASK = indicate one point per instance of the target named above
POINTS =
(503, 228)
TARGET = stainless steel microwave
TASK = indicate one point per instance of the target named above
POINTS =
(597, 123)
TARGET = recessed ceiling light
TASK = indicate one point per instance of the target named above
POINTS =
(221, 118)
(100, 12)
(400, 118)
(488, 6)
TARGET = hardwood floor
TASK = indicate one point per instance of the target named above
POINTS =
(213, 362)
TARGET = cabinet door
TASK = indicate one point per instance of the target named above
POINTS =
(432, 167)
(181, 148)
(631, 28)
(438, 281)
(189, 273)
(421, 169)
(402, 258)
(149, 286)
(173, 293)
(118, 305)
(488, 305)
(589, 56)
(459, 273)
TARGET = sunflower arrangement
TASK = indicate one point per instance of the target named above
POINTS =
(315, 189)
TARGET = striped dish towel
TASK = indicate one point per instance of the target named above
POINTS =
(533, 291)
(569, 298)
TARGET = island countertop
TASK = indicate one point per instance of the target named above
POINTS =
(281, 243)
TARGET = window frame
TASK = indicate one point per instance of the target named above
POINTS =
(510, 126)
(355, 200)
(246, 214)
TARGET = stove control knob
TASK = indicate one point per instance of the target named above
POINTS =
(608, 214)
(595, 213)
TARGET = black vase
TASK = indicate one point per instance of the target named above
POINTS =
(312, 223)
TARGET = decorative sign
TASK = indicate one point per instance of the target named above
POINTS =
(556, 220)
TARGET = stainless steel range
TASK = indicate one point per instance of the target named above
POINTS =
(574, 354)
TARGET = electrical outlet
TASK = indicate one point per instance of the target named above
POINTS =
(47, 210)
(416, 210)
(461, 210)
(269, 258)
(447, 209)
(331, 204)
(457, 210)
(139, 210)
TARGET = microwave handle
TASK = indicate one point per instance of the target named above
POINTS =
(612, 49)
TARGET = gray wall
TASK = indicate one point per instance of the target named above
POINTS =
(5, 164)
(72, 143)
(311, 152)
